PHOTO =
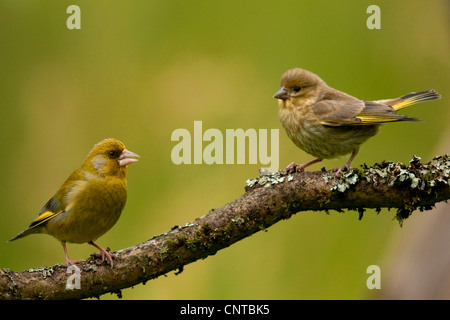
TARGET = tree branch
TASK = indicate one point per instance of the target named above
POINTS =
(268, 199)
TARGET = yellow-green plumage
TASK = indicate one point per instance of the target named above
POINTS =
(90, 201)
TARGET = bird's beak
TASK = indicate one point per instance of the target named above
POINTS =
(127, 157)
(281, 94)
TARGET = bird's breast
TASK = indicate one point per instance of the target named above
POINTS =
(94, 210)
(325, 142)
(301, 125)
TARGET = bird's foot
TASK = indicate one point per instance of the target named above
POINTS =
(70, 262)
(104, 254)
(345, 167)
(293, 167)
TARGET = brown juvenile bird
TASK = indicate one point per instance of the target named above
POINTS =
(90, 201)
(328, 123)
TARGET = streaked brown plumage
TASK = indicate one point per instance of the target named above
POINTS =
(328, 123)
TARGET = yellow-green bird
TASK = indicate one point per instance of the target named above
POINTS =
(328, 123)
(90, 201)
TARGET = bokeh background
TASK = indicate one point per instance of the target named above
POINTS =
(138, 70)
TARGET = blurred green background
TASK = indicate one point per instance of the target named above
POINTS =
(137, 70)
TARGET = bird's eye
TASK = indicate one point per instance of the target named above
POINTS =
(297, 88)
(112, 153)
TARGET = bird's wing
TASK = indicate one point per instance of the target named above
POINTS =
(377, 113)
(62, 200)
(51, 209)
(363, 113)
(338, 112)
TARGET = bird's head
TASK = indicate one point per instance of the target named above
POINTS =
(299, 87)
(109, 157)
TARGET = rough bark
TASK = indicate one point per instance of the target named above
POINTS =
(268, 199)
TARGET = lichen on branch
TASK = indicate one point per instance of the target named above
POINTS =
(268, 199)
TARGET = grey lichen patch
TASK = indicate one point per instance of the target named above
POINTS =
(46, 272)
(390, 173)
(422, 179)
(268, 179)
(186, 225)
(13, 287)
(416, 176)
(164, 251)
(345, 180)
(239, 221)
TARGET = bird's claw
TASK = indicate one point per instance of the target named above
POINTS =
(293, 167)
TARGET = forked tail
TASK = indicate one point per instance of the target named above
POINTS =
(413, 98)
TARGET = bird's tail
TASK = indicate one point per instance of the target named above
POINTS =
(24, 234)
(36, 225)
(413, 98)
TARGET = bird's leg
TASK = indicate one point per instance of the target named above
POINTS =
(347, 164)
(104, 253)
(301, 167)
(291, 166)
(69, 262)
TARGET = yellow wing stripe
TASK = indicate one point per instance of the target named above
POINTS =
(44, 217)
(366, 119)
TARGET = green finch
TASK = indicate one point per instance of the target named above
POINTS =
(328, 123)
(90, 201)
